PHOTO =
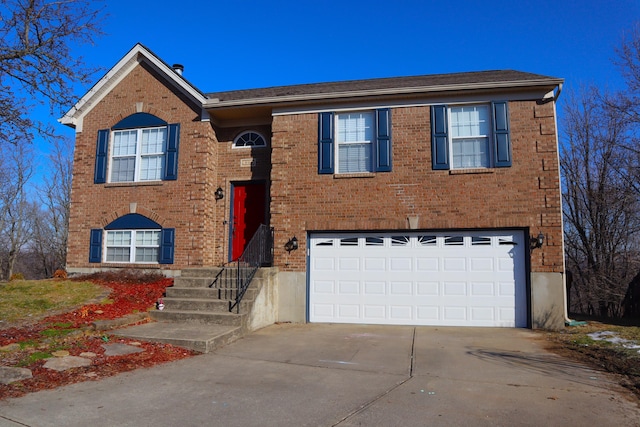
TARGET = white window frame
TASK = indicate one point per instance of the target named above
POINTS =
(133, 246)
(370, 142)
(138, 156)
(486, 136)
(245, 133)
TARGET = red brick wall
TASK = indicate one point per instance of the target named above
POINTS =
(524, 195)
(185, 204)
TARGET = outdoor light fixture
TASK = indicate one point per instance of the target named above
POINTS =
(219, 194)
(291, 245)
(536, 242)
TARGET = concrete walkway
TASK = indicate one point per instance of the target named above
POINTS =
(346, 375)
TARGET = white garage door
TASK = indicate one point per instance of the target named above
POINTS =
(454, 278)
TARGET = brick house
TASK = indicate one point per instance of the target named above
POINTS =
(413, 200)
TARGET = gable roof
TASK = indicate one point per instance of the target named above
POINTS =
(135, 56)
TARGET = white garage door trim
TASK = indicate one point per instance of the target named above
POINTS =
(458, 278)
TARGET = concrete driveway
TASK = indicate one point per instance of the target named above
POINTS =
(346, 375)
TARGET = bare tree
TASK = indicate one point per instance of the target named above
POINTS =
(51, 224)
(36, 60)
(16, 211)
(601, 206)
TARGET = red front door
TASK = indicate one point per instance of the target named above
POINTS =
(247, 215)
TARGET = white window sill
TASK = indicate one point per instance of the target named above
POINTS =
(354, 175)
(470, 171)
(133, 184)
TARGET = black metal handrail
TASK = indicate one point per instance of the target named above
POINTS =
(234, 278)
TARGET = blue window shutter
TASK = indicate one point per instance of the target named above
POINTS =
(439, 138)
(95, 245)
(102, 150)
(167, 241)
(171, 158)
(325, 143)
(502, 140)
(383, 140)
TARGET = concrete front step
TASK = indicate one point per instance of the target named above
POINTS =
(205, 282)
(202, 338)
(208, 293)
(208, 272)
(197, 317)
(198, 304)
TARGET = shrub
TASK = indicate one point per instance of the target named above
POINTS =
(123, 276)
(16, 276)
(60, 274)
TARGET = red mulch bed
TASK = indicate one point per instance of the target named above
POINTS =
(130, 293)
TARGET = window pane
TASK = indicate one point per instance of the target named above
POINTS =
(470, 153)
(453, 240)
(151, 168)
(469, 121)
(147, 238)
(118, 238)
(354, 158)
(123, 169)
(146, 254)
(124, 143)
(355, 127)
(153, 140)
(250, 139)
(118, 254)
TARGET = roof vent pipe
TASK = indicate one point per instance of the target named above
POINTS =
(178, 68)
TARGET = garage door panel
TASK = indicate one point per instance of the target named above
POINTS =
(324, 287)
(462, 279)
(349, 311)
(326, 264)
(428, 289)
(375, 311)
(481, 264)
(428, 313)
(401, 288)
(505, 264)
(349, 264)
(325, 311)
(400, 264)
(400, 312)
(428, 265)
(454, 264)
(481, 314)
(482, 289)
(506, 288)
(454, 289)
(345, 288)
(455, 314)
(375, 264)
(374, 288)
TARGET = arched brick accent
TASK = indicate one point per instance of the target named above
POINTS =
(139, 210)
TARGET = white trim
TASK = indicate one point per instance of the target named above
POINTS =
(139, 155)
(132, 246)
(488, 137)
(114, 76)
(243, 147)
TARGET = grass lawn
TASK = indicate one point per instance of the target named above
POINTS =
(55, 318)
(613, 347)
(22, 300)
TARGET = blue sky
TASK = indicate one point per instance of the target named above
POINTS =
(240, 44)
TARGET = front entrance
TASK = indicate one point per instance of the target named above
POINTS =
(248, 211)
